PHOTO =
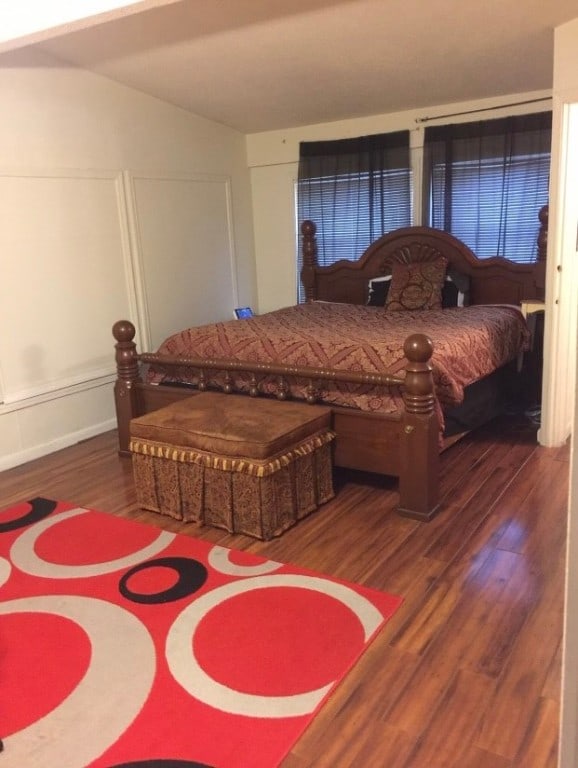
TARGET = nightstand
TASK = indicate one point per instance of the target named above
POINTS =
(533, 310)
(529, 306)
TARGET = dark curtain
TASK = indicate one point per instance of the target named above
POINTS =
(354, 190)
(485, 182)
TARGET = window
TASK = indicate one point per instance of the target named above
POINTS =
(485, 182)
(354, 190)
(350, 217)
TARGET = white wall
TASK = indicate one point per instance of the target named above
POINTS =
(568, 752)
(562, 262)
(114, 205)
(561, 326)
(273, 158)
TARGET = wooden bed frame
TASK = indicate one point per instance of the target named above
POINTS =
(404, 445)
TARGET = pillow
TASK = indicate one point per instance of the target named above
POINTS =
(417, 285)
(378, 290)
(456, 289)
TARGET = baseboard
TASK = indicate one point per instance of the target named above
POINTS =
(37, 451)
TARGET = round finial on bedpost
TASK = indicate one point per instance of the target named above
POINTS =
(123, 330)
(543, 233)
(418, 393)
(308, 228)
(309, 252)
(418, 348)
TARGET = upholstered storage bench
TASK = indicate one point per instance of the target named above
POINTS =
(249, 465)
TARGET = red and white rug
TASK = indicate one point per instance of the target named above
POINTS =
(122, 645)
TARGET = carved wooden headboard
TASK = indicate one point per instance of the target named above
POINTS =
(492, 281)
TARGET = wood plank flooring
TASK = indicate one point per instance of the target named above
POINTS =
(467, 673)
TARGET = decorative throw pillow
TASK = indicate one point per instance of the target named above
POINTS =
(378, 289)
(417, 285)
(456, 289)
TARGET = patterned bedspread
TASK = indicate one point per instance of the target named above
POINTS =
(469, 343)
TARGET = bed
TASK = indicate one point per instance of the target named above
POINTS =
(396, 392)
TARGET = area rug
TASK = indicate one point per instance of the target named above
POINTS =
(122, 645)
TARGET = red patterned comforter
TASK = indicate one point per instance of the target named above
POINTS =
(469, 343)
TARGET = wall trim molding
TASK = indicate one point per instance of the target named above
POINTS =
(135, 268)
(61, 386)
(43, 449)
(56, 390)
(134, 265)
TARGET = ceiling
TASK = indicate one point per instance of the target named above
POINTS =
(259, 65)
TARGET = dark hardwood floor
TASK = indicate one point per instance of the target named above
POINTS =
(467, 673)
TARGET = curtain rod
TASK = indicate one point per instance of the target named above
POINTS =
(483, 109)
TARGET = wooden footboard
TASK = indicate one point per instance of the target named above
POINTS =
(404, 445)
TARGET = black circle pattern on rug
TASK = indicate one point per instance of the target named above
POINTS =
(192, 575)
(39, 509)
(162, 764)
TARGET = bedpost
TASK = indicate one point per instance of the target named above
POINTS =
(543, 233)
(309, 251)
(419, 459)
(128, 375)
